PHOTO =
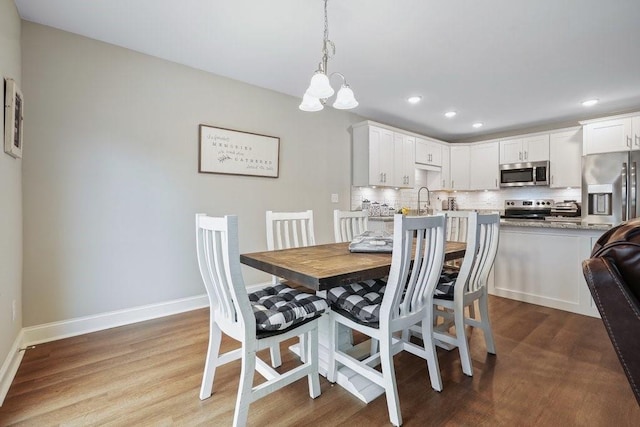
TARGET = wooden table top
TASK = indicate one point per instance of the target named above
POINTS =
(322, 267)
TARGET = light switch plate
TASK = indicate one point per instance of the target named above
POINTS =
(334, 198)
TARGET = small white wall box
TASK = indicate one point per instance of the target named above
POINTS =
(13, 118)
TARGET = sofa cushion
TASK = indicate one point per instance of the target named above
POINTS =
(279, 307)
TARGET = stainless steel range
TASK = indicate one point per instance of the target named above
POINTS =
(534, 209)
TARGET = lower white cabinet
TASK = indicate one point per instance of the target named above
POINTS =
(544, 266)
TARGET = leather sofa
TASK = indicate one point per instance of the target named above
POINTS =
(613, 276)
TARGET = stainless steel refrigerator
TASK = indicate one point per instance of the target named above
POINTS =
(610, 187)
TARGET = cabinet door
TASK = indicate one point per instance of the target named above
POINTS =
(485, 167)
(460, 162)
(511, 151)
(409, 161)
(404, 163)
(565, 159)
(536, 148)
(446, 168)
(607, 136)
(428, 152)
(381, 156)
(635, 126)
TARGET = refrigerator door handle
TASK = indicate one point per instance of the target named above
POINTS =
(624, 191)
(633, 182)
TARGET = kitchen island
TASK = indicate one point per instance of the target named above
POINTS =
(540, 262)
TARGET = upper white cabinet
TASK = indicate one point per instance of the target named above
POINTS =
(439, 179)
(404, 158)
(484, 167)
(428, 152)
(525, 149)
(382, 157)
(373, 156)
(565, 159)
(460, 167)
(616, 134)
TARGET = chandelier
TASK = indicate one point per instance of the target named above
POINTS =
(320, 89)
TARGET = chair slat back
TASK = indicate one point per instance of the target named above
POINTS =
(290, 230)
(457, 226)
(348, 224)
(482, 246)
(411, 283)
(219, 263)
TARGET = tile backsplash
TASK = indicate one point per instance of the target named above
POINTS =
(480, 200)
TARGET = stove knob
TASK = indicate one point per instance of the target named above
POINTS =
(537, 203)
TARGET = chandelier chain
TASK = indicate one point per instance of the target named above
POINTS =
(326, 42)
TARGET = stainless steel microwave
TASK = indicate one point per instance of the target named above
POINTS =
(524, 174)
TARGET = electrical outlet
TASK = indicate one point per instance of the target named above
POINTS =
(13, 310)
(334, 198)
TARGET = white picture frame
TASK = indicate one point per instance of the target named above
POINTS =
(232, 152)
(13, 118)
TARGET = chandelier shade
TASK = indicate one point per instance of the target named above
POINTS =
(311, 104)
(320, 89)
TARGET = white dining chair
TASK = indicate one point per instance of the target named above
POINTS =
(456, 231)
(385, 310)
(348, 224)
(469, 286)
(258, 321)
(287, 230)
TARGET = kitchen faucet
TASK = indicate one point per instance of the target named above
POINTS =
(428, 199)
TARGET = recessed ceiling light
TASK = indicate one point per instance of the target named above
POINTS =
(450, 114)
(589, 102)
(414, 99)
(477, 125)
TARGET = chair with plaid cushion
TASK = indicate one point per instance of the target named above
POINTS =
(455, 292)
(385, 311)
(258, 321)
(287, 230)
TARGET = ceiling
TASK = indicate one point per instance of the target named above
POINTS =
(511, 64)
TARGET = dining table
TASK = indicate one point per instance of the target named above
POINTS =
(322, 267)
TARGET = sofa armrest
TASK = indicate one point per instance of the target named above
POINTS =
(620, 311)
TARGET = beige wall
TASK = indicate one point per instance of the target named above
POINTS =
(110, 174)
(10, 191)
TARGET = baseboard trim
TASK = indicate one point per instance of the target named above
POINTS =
(10, 366)
(83, 325)
(53, 331)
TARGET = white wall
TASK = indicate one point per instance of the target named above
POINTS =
(110, 173)
(10, 192)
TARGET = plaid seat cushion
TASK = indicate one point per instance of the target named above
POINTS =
(362, 300)
(279, 307)
(446, 285)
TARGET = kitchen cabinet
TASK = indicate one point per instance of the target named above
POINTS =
(543, 266)
(460, 166)
(525, 149)
(428, 152)
(621, 133)
(565, 159)
(373, 156)
(439, 179)
(404, 160)
(484, 167)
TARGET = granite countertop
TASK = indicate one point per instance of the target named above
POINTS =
(570, 225)
(554, 224)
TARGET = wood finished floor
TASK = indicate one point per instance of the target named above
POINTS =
(552, 369)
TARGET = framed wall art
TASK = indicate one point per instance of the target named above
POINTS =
(233, 152)
(13, 118)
